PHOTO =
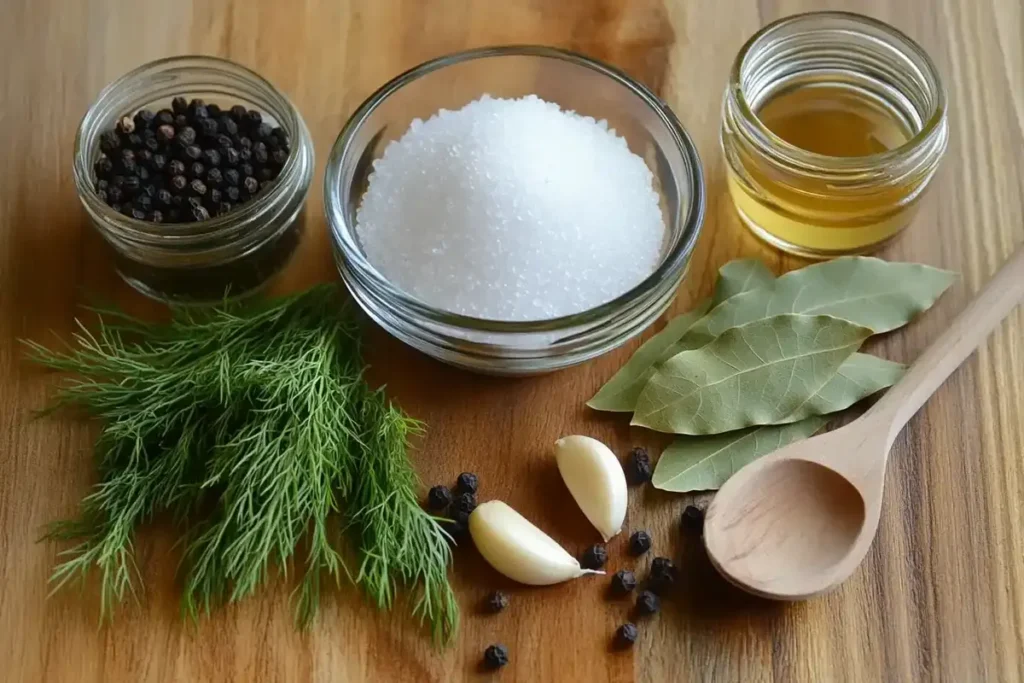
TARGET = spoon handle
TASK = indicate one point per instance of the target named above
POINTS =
(1000, 296)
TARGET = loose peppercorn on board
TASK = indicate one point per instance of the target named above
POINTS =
(941, 595)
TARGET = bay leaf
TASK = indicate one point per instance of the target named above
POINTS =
(739, 276)
(754, 374)
(694, 463)
(619, 394)
(860, 376)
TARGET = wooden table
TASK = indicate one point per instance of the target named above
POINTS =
(941, 595)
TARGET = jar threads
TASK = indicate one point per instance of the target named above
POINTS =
(823, 205)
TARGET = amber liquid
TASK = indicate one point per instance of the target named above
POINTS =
(806, 213)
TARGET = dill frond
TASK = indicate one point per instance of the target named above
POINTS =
(253, 428)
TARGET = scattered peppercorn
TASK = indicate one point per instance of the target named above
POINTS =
(439, 498)
(638, 466)
(150, 163)
(663, 575)
(647, 603)
(639, 543)
(623, 582)
(465, 502)
(626, 635)
(496, 602)
(496, 656)
(466, 482)
(594, 557)
(458, 526)
(693, 519)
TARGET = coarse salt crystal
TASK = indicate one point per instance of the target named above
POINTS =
(511, 210)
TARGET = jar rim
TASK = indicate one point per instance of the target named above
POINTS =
(213, 227)
(931, 127)
(673, 263)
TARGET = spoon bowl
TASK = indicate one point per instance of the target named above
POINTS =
(799, 522)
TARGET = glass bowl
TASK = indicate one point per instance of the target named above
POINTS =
(223, 257)
(575, 83)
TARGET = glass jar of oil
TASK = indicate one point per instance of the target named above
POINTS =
(832, 127)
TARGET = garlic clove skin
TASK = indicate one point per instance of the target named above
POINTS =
(596, 481)
(515, 547)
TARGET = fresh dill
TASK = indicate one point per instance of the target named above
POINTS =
(254, 429)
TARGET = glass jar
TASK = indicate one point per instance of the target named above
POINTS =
(226, 256)
(820, 205)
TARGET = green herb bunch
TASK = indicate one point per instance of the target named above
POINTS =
(255, 430)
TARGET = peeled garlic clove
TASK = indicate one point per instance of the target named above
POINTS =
(518, 549)
(595, 479)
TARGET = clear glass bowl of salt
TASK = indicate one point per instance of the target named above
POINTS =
(495, 231)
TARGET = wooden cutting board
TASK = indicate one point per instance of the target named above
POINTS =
(941, 596)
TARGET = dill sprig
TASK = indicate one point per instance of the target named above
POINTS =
(255, 430)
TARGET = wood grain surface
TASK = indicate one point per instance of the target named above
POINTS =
(941, 595)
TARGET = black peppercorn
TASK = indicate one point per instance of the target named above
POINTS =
(594, 557)
(439, 498)
(179, 105)
(214, 177)
(496, 656)
(227, 125)
(142, 173)
(125, 125)
(647, 603)
(245, 142)
(173, 216)
(223, 208)
(197, 187)
(103, 166)
(144, 157)
(150, 190)
(260, 154)
(626, 635)
(126, 209)
(231, 156)
(623, 582)
(465, 502)
(132, 183)
(151, 143)
(663, 575)
(102, 194)
(197, 109)
(496, 602)
(144, 119)
(159, 162)
(253, 118)
(176, 167)
(211, 157)
(181, 121)
(232, 193)
(165, 133)
(135, 140)
(143, 201)
(208, 127)
(200, 213)
(117, 181)
(245, 156)
(128, 165)
(196, 170)
(279, 156)
(213, 198)
(109, 142)
(264, 175)
(213, 110)
(163, 197)
(179, 182)
(115, 195)
(238, 113)
(186, 136)
(193, 152)
(102, 184)
(246, 170)
(692, 519)
(467, 482)
(251, 185)
(138, 214)
(638, 466)
(224, 142)
(156, 216)
(457, 527)
(232, 177)
(639, 543)
(164, 117)
(264, 131)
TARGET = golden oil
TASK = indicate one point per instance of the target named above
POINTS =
(828, 158)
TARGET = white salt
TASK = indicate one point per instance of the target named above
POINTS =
(511, 210)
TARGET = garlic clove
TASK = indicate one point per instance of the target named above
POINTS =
(518, 549)
(596, 481)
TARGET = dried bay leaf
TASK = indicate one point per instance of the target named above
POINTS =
(619, 394)
(754, 374)
(705, 463)
(859, 377)
(739, 276)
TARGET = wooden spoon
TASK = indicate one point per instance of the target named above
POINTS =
(798, 522)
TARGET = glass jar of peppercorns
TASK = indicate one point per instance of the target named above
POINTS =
(195, 170)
